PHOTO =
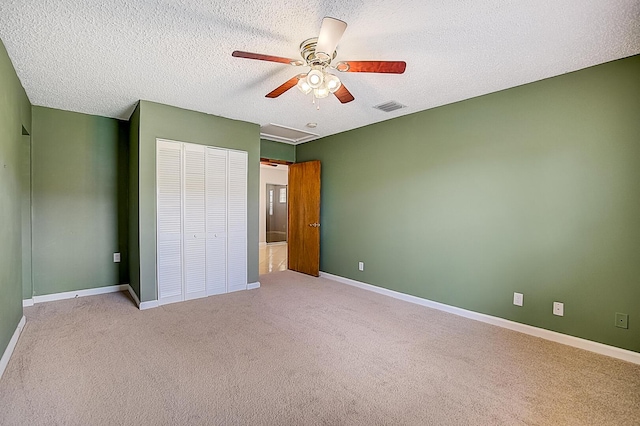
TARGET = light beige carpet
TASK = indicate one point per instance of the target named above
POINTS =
(298, 351)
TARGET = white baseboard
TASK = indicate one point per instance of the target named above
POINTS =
(133, 295)
(113, 289)
(554, 336)
(80, 293)
(155, 304)
(148, 305)
(6, 356)
(91, 292)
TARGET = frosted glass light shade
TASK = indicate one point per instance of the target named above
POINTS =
(332, 82)
(321, 92)
(304, 86)
(315, 78)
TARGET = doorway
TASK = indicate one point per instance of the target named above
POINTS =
(274, 199)
(276, 226)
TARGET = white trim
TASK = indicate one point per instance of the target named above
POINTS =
(141, 305)
(92, 292)
(554, 336)
(6, 356)
(262, 244)
(253, 286)
(80, 293)
(276, 138)
(148, 305)
(133, 294)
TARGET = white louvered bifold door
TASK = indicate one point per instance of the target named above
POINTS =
(169, 216)
(216, 221)
(237, 222)
(195, 256)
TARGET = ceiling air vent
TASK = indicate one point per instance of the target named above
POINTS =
(390, 106)
(278, 133)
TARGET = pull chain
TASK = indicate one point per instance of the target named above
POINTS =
(315, 101)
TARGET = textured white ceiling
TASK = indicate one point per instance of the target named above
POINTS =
(101, 56)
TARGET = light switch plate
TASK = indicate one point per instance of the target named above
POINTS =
(360, 266)
(518, 299)
(116, 257)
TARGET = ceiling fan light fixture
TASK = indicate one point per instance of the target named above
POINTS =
(315, 78)
(321, 92)
(304, 86)
(318, 53)
(332, 82)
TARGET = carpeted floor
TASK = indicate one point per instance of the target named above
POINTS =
(298, 351)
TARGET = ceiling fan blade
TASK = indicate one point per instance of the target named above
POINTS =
(283, 87)
(330, 34)
(391, 67)
(260, 57)
(343, 95)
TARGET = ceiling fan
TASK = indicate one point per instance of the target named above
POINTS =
(317, 53)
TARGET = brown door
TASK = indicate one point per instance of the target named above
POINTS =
(304, 218)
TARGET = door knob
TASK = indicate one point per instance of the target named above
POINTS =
(315, 225)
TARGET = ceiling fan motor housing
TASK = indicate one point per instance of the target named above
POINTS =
(313, 58)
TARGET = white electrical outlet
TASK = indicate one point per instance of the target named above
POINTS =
(116, 257)
(518, 298)
(558, 309)
(360, 266)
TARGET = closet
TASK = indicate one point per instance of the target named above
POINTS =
(201, 221)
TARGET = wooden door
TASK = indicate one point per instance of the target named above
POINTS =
(303, 250)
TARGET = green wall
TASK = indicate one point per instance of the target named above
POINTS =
(134, 218)
(79, 179)
(166, 122)
(277, 150)
(534, 189)
(15, 113)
